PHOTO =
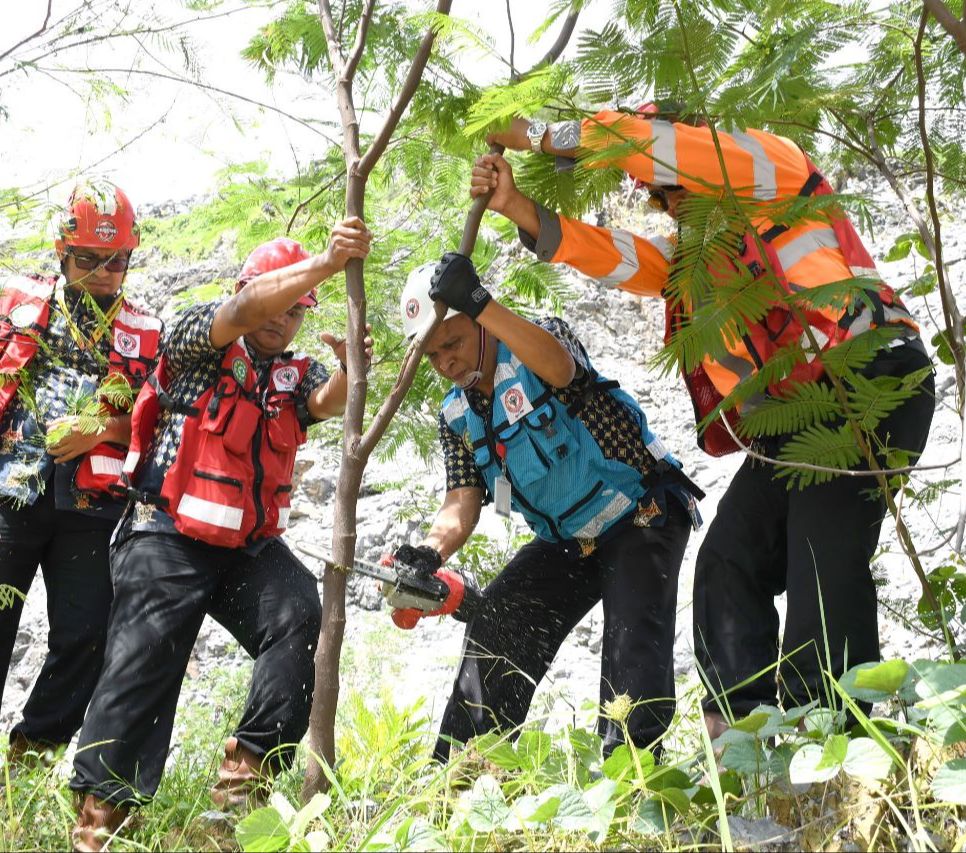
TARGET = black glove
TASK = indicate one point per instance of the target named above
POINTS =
(425, 560)
(456, 283)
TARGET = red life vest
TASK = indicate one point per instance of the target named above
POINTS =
(231, 480)
(779, 328)
(24, 318)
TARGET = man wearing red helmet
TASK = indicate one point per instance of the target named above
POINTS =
(63, 340)
(214, 437)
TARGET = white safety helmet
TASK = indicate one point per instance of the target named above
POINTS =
(415, 305)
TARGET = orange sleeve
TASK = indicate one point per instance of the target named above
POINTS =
(759, 165)
(615, 257)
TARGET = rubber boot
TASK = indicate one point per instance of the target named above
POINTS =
(242, 778)
(97, 822)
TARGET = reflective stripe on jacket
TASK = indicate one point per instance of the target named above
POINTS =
(561, 481)
(807, 254)
(231, 481)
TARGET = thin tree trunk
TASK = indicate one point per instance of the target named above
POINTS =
(357, 446)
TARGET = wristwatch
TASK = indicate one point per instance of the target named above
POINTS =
(535, 133)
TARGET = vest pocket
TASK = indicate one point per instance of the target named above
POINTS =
(553, 441)
(241, 427)
(283, 431)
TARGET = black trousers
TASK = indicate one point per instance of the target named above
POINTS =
(72, 552)
(814, 544)
(534, 603)
(164, 585)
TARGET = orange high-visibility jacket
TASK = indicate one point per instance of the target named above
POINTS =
(759, 165)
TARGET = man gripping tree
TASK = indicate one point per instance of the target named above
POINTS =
(73, 354)
(215, 434)
(531, 425)
(814, 543)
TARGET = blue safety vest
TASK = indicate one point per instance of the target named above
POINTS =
(562, 483)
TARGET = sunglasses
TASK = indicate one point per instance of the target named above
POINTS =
(115, 263)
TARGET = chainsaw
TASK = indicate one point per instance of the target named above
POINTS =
(410, 593)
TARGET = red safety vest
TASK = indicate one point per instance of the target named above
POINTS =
(231, 480)
(24, 318)
(779, 328)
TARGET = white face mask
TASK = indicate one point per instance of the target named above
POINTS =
(474, 376)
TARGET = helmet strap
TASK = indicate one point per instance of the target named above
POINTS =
(474, 376)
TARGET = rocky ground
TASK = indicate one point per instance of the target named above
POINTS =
(622, 333)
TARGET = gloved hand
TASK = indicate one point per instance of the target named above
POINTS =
(424, 559)
(456, 283)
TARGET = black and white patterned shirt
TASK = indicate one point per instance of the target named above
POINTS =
(609, 422)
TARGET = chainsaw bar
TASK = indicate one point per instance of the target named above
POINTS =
(398, 575)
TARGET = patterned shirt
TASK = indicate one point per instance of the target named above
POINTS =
(608, 421)
(193, 366)
(58, 376)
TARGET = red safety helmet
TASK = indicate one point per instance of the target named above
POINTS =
(99, 215)
(274, 255)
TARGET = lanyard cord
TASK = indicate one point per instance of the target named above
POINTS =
(83, 341)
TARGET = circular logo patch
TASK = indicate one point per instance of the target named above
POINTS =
(412, 308)
(239, 370)
(286, 378)
(513, 401)
(124, 343)
(468, 441)
(24, 315)
(105, 230)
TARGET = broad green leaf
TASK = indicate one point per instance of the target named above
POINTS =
(310, 812)
(618, 762)
(746, 757)
(488, 807)
(751, 723)
(668, 777)
(600, 799)
(944, 684)
(676, 798)
(263, 831)
(573, 813)
(533, 749)
(862, 692)
(865, 759)
(730, 784)
(834, 751)
(949, 783)
(535, 808)
(804, 766)
(886, 677)
(653, 817)
(497, 749)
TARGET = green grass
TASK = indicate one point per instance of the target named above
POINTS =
(893, 782)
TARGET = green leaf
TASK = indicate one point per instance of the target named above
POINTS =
(618, 762)
(488, 807)
(533, 749)
(311, 811)
(943, 684)
(573, 813)
(865, 759)
(730, 784)
(263, 831)
(752, 723)
(498, 749)
(949, 783)
(849, 683)
(805, 769)
(886, 677)
(833, 754)
(653, 817)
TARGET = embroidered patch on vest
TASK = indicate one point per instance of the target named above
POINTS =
(646, 514)
(25, 315)
(126, 344)
(412, 308)
(285, 378)
(515, 403)
(239, 370)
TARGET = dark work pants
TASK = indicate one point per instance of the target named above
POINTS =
(534, 603)
(164, 585)
(814, 544)
(72, 552)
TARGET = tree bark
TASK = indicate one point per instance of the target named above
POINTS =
(357, 446)
(948, 21)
